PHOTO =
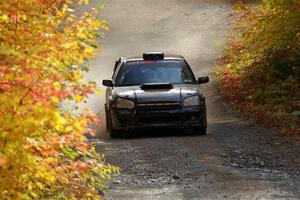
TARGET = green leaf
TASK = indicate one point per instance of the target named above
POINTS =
(296, 113)
(99, 92)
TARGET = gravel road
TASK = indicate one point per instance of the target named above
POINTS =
(237, 159)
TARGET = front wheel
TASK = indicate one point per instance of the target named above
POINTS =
(106, 118)
(200, 130)
(113, 133)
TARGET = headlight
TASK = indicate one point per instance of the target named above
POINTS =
(192, 101)
(124, 104)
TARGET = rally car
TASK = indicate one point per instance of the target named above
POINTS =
(154, 90)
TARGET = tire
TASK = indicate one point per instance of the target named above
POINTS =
(200, 130)
(106, 118)
(113, 133)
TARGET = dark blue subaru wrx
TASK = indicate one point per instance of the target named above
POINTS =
(154, 90)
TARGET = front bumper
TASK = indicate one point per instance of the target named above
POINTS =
(181, 118)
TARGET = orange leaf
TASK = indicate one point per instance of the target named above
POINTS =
(3, 161)
(82, 146)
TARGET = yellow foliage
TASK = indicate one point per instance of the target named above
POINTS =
(43, 150)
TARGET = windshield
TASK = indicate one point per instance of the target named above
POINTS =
(161, 71)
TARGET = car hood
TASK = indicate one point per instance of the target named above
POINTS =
(175, 94)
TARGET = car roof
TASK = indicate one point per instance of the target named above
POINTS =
(166, 57)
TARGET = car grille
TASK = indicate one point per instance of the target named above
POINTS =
(158, 112)
(158, 106)
(159, 119)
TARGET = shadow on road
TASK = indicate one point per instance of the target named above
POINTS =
(157, 133)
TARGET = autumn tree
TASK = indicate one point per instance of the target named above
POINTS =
(259, 69)
(44, 49)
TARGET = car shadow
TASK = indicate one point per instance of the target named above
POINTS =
(157, 133)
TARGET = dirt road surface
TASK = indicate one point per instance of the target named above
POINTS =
(237, 159)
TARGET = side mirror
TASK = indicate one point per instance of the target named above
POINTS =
(108, 83)
(203, 79)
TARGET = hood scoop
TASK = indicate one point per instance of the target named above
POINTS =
(153, 86)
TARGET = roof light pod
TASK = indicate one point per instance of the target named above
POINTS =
(153, 56)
